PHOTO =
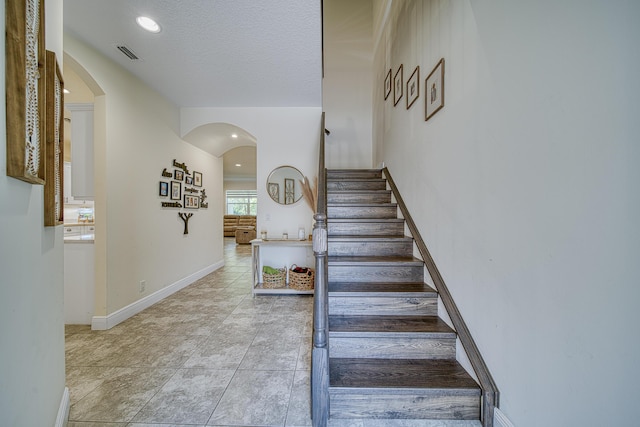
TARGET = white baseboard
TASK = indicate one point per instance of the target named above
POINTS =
(500, 419)
(101, 323)
(63, 410)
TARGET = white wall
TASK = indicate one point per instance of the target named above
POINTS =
(284, 136)
(525, 190)
(137, 239)
(31, 285)
(346, 87)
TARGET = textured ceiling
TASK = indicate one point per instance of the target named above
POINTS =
(212, 53)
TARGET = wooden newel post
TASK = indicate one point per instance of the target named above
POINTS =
(320, 354)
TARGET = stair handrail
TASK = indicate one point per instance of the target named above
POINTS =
(490, 393)
(320, 350)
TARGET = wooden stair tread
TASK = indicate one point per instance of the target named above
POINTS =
(363, 220)
(389, 325)
(374, 260)
(367, 238)
(412, 374)
(381, 289)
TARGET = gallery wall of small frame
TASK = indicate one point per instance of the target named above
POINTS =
(183, 189)
(433, 87)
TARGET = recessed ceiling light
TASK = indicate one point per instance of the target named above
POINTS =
(234, 135)
(148, 24)
(238, 165)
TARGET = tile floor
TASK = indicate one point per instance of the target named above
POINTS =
(208, 355)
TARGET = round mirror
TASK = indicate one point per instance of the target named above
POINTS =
(283, 185)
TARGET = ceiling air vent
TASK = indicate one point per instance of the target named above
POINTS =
(128, 52)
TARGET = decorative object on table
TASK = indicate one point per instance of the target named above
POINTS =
(285, 236)
(178, 175)
(387, 85)
(25, 90)
(273, 278)
(434, 91)
(301, 278)
(164, 189)
(176, 190)
(54, 143)
(166, 174)
(197, 179)
(185, 218)
(310, 193)
(413, 87)
(301, 233)
(289, 191)
(263, 234)
(397, 86)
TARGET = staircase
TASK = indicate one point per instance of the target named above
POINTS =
(390, 355)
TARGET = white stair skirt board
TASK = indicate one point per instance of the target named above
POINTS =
(63, 409)
(101, 323)
(500, 419)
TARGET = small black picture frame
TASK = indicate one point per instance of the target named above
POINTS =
(398, 86)
(191, 201)
(163, 190)
(188, 180)
(176, 190)
(178, 175)
(387, 85)
(197, 179)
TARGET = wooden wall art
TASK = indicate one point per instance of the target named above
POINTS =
(25, 90)
(54, 143)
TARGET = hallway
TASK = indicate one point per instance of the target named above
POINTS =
(210, 354)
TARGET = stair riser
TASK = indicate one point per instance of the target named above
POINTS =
(356, 197)
(400, 248)
(353, 174)
(383, 306)
(392, 348)
(445, 407)
(385, 212)
(394, 229)
(377, 274)
(356, 185)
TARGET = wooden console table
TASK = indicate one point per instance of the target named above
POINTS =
(279, 253)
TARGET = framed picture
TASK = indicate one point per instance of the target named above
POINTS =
(25, 91)
(176, 190)
(289, 191)
(434, 91)
(387, 85)
(188, 180)
(54, 142)
(274, 191)
(164, 189)
(397, 86)
(413, 87)
(197, 179)
(178, 174)
(191, 201)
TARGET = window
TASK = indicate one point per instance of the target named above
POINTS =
(242, 202)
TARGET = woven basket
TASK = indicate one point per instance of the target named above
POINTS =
(276, 280)
(301, 281)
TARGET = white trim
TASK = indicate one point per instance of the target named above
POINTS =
(101, 323)
(500, 419)
(63, 410)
